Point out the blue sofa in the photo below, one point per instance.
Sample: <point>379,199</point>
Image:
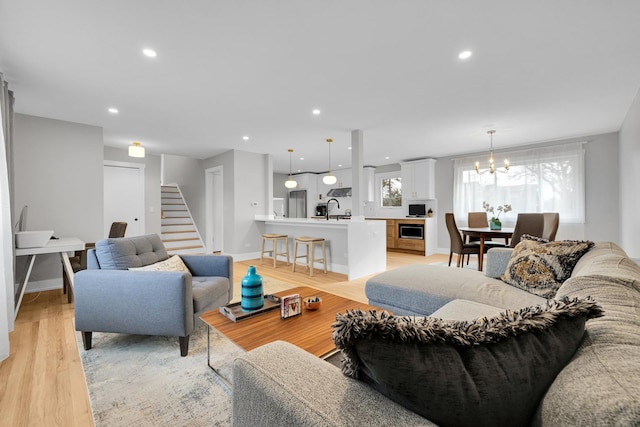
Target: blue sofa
<point>110,298</point>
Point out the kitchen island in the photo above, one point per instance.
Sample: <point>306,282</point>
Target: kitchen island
<point>355,247</point>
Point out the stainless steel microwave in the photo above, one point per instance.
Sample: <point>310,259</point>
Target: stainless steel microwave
<point>411,231</point>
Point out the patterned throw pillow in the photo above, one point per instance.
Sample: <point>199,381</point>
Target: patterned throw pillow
<point>486,372</point>
<point>541,267</point>
<point>174,263</point>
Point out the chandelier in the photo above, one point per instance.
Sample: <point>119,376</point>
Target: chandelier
<point>328,178</point>
<point>290,183</point>
<point>492,166</point>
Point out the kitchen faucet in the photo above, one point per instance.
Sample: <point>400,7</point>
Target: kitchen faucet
<point>329,201</point>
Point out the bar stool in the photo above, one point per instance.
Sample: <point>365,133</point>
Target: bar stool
<point>275,238</point>
<point>310,243</point>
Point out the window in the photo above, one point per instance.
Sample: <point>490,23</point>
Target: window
<point>547,179</point>
<point>391,192</point>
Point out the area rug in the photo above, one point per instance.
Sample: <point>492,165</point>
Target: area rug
<point>142,380</point>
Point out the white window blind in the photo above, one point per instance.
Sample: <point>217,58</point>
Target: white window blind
<point>546,179</point>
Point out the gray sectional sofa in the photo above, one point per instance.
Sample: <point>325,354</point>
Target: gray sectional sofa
<point>460,294</point>
<point>279,384</point>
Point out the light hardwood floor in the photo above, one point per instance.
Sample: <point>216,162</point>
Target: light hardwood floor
<point>42,382</point>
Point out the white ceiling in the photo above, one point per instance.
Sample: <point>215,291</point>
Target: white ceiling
<point>540,70</point>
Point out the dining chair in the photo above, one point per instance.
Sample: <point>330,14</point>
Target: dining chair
<point>551,222</point>
<point>479,220</point>
<point>118,229</point>
<point>527,223</point>
<point>457,244</point>
<point>476,220</point>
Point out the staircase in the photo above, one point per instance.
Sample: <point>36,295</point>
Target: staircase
<point>179,232</point>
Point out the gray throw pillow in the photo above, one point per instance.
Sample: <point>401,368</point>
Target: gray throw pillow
<point>486,372</point>
<point>541,267</point>
<point>126,252</point>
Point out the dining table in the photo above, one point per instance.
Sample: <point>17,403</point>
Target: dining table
<point>484,233</point>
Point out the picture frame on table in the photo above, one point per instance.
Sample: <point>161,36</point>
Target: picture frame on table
<point>290,306</point>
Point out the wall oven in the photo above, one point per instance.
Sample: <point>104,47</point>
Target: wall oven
<point>411,231</point>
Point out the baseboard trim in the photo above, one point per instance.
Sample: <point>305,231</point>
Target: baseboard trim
<point>43,285</point>
<point>243,257</point>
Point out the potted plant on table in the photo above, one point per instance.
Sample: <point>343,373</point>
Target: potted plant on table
<point>494,222</point>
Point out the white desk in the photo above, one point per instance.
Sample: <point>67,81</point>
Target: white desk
<point>60,246</point>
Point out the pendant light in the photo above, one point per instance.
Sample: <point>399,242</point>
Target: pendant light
<point>136,150</point>
<point>290,183</point>
<point>492,166</point>
<point>328,178</point>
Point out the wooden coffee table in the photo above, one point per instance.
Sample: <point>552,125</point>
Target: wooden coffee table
<point>310,331</point>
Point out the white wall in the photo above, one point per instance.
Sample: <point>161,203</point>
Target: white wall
<point>602,189</point>
<point>602,195</point>
<point>250,178</point>
<point>279,190</point>
<point>226,161</point>
<point>58,174</point>
<point>151,184</point>
<point>244,177</point>
<point>629,176</point>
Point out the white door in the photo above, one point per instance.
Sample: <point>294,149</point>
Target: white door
<point>124,196</point>
<point>213,209</point>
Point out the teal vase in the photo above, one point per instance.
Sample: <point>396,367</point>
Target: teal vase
<point>495,224</point>
<point>252,293</point>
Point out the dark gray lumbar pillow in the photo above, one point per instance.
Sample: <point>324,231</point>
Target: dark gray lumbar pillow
<point>486,372</point>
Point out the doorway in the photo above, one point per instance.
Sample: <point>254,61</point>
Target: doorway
<point>124,196</point>
<point>213,209</point>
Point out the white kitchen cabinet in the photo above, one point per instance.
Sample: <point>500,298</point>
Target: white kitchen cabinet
<point>323,188</point>
<point>418,179</point>
<point>303,181</point>
<point>343,177</point>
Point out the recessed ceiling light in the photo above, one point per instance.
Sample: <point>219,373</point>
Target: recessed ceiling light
<point>339,166</point>
<point>316,112</point>
<point>299,170</point>
<point>464,55</point>
<point>246,138</point>
<point>386,158</point>
<point>348,148</point>
<point>301,158</point>
<point>150,53</point>
<point>113,110</point>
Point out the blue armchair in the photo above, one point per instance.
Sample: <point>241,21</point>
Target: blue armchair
<point>110,298</point>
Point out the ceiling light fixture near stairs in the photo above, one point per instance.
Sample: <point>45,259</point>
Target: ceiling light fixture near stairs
<point>290,183</point>
<point>136,150</point>
<point>328,178</point>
